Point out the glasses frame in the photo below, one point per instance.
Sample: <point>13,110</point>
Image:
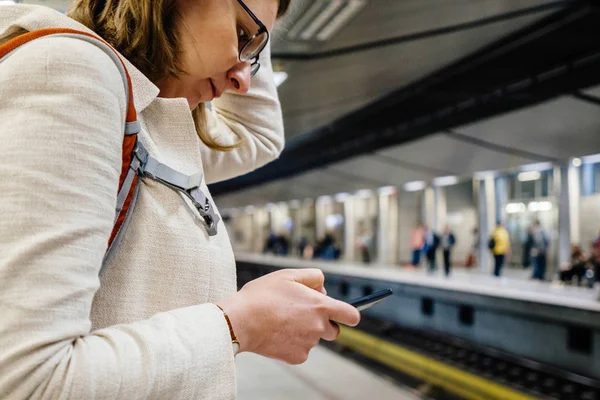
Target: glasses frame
<point>255,64</point>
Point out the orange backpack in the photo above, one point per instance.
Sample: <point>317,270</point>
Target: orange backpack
<point>136,162</point>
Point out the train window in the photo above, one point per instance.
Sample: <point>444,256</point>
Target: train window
<point>344,289</point>
<point>427,306</point>
<point>580,339</point>
<point>466,315</point>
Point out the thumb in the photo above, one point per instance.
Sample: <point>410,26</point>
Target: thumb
<point>312,278</point>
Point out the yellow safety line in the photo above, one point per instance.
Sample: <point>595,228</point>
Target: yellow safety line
<point>452,379</point>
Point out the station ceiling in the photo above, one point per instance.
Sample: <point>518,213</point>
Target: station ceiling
<point>555,130</point>
<point>320,90</point>
<point>369,74</point>
<point>513,88</point>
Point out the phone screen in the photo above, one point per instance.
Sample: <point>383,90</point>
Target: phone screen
<point>362,303</point>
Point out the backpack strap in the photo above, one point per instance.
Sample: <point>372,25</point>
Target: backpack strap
<point>127,185</point>
<point>136,162</point>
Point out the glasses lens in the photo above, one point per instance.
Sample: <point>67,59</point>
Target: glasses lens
<point>253,48</point>
<point>254,68</point>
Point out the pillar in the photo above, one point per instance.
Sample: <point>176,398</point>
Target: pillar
<point>501,198</point>
<point>349,229</point>
<point>574,203</point>
<point>487,220</point>
<point>428,207</point>
<point>587,172</point>
<point>434,207</point>
<point>322,206</point>
<point>568,194</point>
<point>440,207</point>
<point>387,229</point>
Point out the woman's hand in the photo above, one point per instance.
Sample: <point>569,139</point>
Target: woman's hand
<point>284,314</point>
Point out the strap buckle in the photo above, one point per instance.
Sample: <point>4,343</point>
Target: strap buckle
<point>188,185</point>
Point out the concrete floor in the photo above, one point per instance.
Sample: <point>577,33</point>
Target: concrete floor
<point>325,376</point>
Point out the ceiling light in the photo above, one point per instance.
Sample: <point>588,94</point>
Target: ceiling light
<point>529,176</point>
<point>341,196</point>
<point>514,208</point>
<point>280,77</point>
<point>7,2</point>
<point>364,193</point>
<point>324,199</point>
<point>348,12</point>
<point>334,221</point>
<point>414,186</point>
<point>482,175</point>
<point>324,18</point>
<point>577,162</point>
<point>321,19</point>
<point>593,159</point>
<point>543,166</point>
<point>539,206</point>
<point>445,181</point>
<point>387,190</point>
<point>313,11</point>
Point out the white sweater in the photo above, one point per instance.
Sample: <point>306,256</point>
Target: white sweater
<point>144,330</point>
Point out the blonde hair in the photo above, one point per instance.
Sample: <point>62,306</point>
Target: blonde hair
<point>145,32</point>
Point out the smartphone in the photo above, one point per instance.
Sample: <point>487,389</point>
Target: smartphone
<point>362,303</point>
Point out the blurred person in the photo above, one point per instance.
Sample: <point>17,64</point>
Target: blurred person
<point>417,242</point>
<point>499,244</point>
<point>448,241</point>
<point>594,262</point>
<point>277,244</point>
<point>527,247</point>
<point>302,244</point>
<point>472,257</point>
<point>283,244</point>
<point>539,250</point>
<point>162,320</point>
<point>364,243</point>
<point>577,268</point>
<point>270,243</point>
<point>432,242</point>
<point>327,248</point>
<point>596,243</point>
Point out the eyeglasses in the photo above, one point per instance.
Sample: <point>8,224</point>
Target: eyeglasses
<point>251,48</point>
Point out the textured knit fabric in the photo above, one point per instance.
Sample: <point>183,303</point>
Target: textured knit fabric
<point>145,328</point>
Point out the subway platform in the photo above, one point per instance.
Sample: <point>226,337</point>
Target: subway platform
<point>325,376</point>
<point>513,285</point>
<point>503,319</point>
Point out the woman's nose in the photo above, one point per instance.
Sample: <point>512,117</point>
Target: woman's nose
<point>239,78</point>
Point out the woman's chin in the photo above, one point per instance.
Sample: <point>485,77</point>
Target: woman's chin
<point>194,101</point>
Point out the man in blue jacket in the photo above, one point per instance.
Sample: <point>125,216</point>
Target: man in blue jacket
<point>448,242</point>
<point>432,242</point>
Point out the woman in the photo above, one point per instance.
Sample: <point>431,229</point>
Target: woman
<point>151,326</point>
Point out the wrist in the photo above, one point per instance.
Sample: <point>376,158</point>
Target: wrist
<point>234,340</point>
<point>235,326</point>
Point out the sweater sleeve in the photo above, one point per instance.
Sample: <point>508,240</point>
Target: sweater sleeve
<point>62,106</point>
<point>253,119</point>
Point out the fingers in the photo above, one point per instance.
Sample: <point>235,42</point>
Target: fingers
<point>313,278</point>
<point>332,331</point>
<point>343,313</point>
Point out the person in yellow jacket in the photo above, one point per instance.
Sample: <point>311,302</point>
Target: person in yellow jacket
<point>500,247</point>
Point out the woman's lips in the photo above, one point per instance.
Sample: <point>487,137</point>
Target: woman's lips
<point>216,92</point>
